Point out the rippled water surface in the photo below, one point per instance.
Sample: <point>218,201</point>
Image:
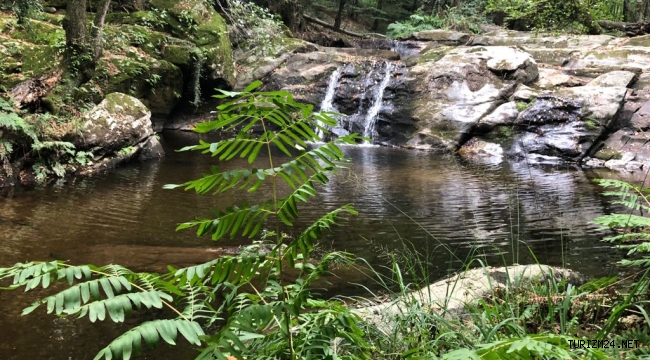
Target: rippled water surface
<point>448,210</point>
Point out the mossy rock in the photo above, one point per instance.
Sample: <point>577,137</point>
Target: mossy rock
<point>27,51</point>
<point>178,55</point>
<point>34,31</point>
<point>23,61</point>
<point>219,65</point>
<point>431,56</point>
<point>147,19</point>
<point>122,36</point>
<point>157,83</point>
<point>639,41</point>
<point>608,154</point>
<point>196,21</point>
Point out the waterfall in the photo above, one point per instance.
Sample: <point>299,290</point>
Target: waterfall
<point>327,103</point>
<point>372,115</point>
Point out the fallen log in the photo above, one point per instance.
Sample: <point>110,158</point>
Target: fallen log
<point>346,32</point>
<point>630,29</point>
<point>30,91</point>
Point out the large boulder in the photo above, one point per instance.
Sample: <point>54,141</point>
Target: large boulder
<point>450,297</point>
<point>118,125</point>
<point>567,123</point>
<point>552,78</point>
<point>450,95</point>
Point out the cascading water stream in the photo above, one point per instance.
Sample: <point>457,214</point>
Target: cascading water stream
<point>372,115</point>
<point>327,103</point>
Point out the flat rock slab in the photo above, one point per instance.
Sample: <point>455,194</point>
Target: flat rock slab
<point>450,296</point>
<point>443,36</point>
<point>535,41</point>
<point>551,78</point>
<point>614,78</point>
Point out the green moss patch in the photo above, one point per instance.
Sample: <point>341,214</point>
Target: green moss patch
<point>639,41</point>
<point>147,19</point>
<point>158,83</point>
<point>34,31</point>
<point>608,154</point>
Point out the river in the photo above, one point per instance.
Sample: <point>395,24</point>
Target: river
<point>446,209</point>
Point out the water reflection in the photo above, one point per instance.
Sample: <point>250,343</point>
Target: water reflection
<point>448,209</point>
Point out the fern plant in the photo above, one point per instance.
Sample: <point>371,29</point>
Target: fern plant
<point>244,306</point>
<point>632,228</point>
<point>17,135</point>
<point>633,234</point>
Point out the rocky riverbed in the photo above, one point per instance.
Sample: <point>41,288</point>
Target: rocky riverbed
<point>501,96</point>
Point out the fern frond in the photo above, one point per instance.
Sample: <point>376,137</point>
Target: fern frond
<point>644,262</point>
<point>633,197</point>
<point>623,220</point>
<point>197,300</point>
<point>153,282</point>
<point>234,269</point>
<point>151,332</point>
<point>245,220</point>
<point>304,242</point>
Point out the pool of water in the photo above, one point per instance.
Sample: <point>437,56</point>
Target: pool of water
<point>445,209</point>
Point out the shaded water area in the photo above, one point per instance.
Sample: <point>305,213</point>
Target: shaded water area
<point>449,210</point>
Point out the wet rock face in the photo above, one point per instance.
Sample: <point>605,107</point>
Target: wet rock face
<point>357,92</point>
<point>451,95</point>
<point>548,109</point>
<point>504,94</point>
<point>552,126</point>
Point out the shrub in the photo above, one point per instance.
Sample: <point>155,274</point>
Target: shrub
<point>572,16</point>
<point>253,28</point>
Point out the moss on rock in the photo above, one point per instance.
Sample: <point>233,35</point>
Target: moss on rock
<point>178,55</point>
<point>157,83</point>
<point>199,23</point>
<point>639,41</point>
<point>34,31</point>
<point>23,61</point>
<point>608,154</point>
<point>146,19</point>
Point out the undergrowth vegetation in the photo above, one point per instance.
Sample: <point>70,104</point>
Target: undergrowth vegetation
<point>253,28</point>
<point>26,140</point>
<point>466,18</point>
<point>536,15</point>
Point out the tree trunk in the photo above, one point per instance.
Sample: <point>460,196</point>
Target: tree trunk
<point>339,15</point>
<point>352,10</point>
<point>98,27</point>
<point>375,24</point>
<point>78,54</point>
<point>414,6</point>
<point>75,26</point>
<point>630,11</point>
<point>630,29</point>
<point>291,12</point>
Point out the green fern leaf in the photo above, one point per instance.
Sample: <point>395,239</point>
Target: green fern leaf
<point>151,332</point>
